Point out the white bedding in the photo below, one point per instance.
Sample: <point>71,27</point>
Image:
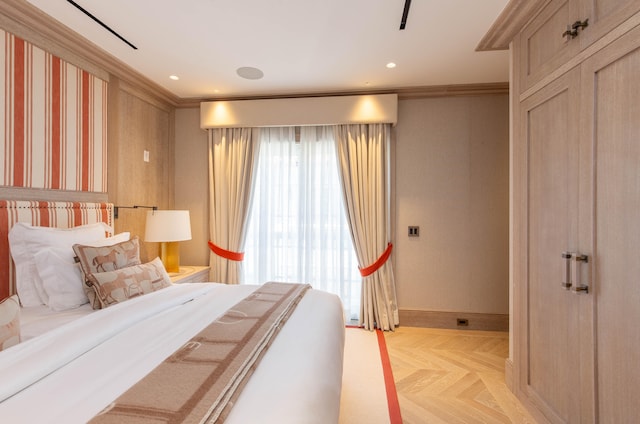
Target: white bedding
<point>37,320</point>
<point>71,373</point>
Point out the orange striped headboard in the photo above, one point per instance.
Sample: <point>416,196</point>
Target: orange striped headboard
<point>45,214</point>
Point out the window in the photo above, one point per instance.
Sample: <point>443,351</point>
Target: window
<point>298,230</point>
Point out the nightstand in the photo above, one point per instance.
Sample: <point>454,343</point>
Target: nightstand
<point>190,274</point>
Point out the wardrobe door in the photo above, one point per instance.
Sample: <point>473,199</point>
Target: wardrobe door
<point>604,15</point>
<point>544,48</point>
<point>610,203</point>
<point>550,331</point>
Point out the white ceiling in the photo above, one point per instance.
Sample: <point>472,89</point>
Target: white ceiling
<point>301,46</point>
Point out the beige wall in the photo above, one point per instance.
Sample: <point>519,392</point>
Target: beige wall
<point>191,183</point>
<point>450,178</point>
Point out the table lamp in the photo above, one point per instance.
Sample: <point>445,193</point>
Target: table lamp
<point>168,227</point>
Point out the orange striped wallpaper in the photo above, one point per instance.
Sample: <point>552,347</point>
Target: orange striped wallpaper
<point>53,118</point>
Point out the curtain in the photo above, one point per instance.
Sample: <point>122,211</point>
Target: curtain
<point>233,157</point>
<point>364,161</point>
<point>298,230</point>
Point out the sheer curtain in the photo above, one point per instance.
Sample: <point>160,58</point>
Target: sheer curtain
<point>298,230</point>
<point>364,156</point>
<point>233,156</point>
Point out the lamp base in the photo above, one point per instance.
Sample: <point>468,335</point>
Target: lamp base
<point>170,255</point>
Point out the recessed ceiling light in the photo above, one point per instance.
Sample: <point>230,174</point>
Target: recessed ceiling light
<point>247,72</point>
<point>174,77</point>
<point>391,65</point>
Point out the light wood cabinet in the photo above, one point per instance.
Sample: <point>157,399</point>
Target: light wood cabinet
<point>576,189</point>
<point>546,45</point>
<point>609,215</point>
<point>543,48</point>
<point>549,350</point>
<point>604,16</point>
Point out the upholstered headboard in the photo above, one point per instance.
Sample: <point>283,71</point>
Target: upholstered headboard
<point>45,214</point>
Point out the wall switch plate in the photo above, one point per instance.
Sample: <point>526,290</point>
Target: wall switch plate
<point>414,231</point>
<point>146,156</point>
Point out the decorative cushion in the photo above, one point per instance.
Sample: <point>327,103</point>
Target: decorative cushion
<point>61,276</point>
<point>94,260</point>
<point>9,322</point>
<point>25,240</point>
<point>122,284</point>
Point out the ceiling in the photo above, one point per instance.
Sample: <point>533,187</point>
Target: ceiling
<point>301,46</point>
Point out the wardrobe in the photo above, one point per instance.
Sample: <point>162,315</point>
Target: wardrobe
<point>575,187</point>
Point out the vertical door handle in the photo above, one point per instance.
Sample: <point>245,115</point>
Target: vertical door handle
<point>579,261</point>
<point>566,282</point>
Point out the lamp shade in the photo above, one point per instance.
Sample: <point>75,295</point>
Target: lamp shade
<point>167,226</point>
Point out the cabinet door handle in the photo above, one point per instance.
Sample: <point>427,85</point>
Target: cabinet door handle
<point>570,33</point>
<point>572,30</point>
<point>580,25</point>
<point>578,287</point>
<point>566,283</point>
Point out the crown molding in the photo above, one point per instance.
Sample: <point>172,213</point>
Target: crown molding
<point>455,90</point>
<point>513,18</point>
<point>480,89</point>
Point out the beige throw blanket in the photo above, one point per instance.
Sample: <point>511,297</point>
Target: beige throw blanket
<point>200,381</point>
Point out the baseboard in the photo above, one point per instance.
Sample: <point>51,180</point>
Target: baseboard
<point>435,319</point>
<point>508,373</point>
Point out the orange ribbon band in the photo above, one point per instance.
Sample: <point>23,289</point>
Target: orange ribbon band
<point>227,254</point>
<point>377,264</point>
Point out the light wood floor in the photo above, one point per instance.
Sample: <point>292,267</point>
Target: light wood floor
<point>452,376</point>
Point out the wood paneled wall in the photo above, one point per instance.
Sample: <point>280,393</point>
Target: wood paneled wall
<point>139,123</point>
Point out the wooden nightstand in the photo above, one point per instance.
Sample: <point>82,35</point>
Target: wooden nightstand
<point>190,274</point>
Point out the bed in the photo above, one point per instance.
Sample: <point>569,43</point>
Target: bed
<point>74,363</point>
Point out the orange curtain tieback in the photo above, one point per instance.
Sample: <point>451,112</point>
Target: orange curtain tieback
<point>377,264</point>
<point>227,254</point>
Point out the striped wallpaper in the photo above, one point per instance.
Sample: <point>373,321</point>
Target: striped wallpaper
<point>53,118</point>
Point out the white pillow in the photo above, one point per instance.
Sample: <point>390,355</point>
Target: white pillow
<point>61,275</point>
<point>26,239</point>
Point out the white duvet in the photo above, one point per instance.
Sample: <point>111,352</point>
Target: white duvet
<point>70,374</point>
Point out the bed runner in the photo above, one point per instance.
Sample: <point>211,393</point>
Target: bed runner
<point>200,382</point>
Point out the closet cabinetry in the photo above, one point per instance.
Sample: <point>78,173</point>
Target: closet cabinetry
<point>576,214</point>
<point>565,28</point>
<point>548,336</point>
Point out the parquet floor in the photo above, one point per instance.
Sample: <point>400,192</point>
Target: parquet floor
<point>452,376</point>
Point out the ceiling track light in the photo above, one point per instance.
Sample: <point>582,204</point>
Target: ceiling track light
<point>405,14</point>
<point>102,24</point>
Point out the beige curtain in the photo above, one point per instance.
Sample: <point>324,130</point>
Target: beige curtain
<point>364,162</point>
<point>233,159</point>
